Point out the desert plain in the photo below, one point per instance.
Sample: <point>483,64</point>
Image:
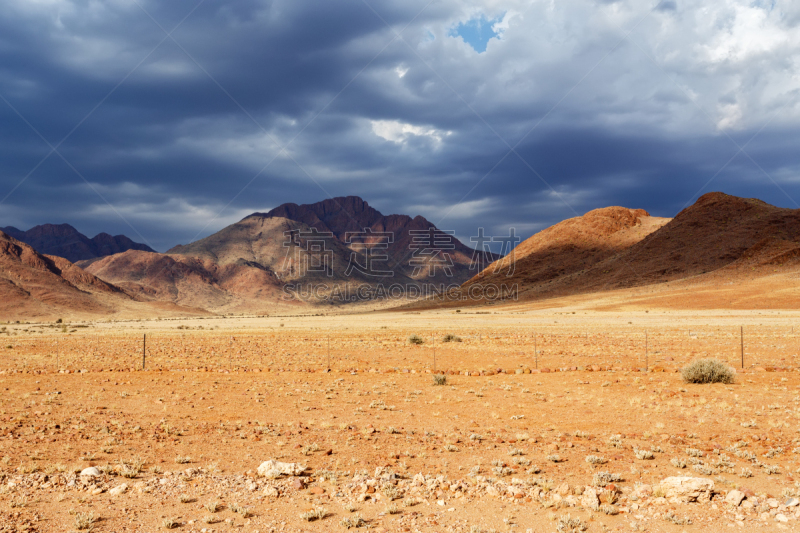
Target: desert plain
<point>561,415</point>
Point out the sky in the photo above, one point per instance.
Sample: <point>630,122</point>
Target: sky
<point>167,121</point>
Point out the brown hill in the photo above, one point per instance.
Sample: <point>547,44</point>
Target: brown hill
<point>351,214</point>
<point>34,285</point>
<point>65,241</point>
<point>244,267</point>
<point>197,282</point>
<point>571,246</point>
<point>720,234</point>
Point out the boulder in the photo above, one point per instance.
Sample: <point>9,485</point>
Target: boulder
<point>589,499</point>
<point>688,489</point>
<point>273,469</point>
<point>90,472</point>
<point>119,489</point>
<point>735,497</point>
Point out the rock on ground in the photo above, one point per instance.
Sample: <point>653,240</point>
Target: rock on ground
<point>273,469</point>
<point>688,489</point>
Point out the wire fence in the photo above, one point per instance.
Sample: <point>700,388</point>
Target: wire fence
<point>453,351</point>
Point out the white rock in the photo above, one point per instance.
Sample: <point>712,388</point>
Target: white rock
<point>734,497</point>
<point>271,491</point>
<point>792,502</point>
<point>781,518</point>
<point>273,469</point>
<point>589,499</point>
<point>90,472</point>
<point>688,489</point>
<point>119,489</point>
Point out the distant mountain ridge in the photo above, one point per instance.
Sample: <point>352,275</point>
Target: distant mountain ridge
<point>614,248</point>
<point>351,214</point>
<point>65,241</point>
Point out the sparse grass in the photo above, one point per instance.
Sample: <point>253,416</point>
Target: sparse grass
<point>240,510</point>
<point>708,371</point>
<point>554,458</point>
<point>677,463</point>
<point>609,509</point>
<point>567,524</point>
<point>182,460</point>
<point>451,338</point>
<point>415,339</point>
<point>596,460</point>
<point>392,509</point>
<point>213,507</point>
<point>644,455</point>
<point>318,513</point>
<point>439,379</point>
<point>169,523</point>
<point>675,519</point>
<point>352,521</point>
<point>601,479</point>
<point>185,498</point>
<point>84,521</point>
<point>390,491</point>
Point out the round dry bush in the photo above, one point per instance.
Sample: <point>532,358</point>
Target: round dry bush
<point>708,371</point>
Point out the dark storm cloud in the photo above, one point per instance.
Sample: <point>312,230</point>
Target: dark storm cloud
<point>189,136</point>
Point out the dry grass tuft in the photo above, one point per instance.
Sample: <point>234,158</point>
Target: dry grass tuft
<point>708,371</point>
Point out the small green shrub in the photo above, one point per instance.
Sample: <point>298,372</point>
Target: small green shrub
<point>451,338</point>
<point>415,339</point>
<point>707,371</point>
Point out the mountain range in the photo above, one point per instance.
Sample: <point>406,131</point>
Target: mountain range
<point>332,252</point>
<point>65,241</point>
<point>268,262</point>
<point>615,248</point>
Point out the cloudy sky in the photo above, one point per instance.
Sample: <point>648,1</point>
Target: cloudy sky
<point>166,121</point>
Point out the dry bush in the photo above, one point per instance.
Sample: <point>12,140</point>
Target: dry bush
<point>708,371</point>
<point>440,379</point>
<point>567,524</point>
<point>352,521</point>
<point>415,339</point>
<point>84,521</point>
<point>451,338</point>
<point>317,513</point>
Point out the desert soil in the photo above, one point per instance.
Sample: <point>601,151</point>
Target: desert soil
<point>502,445</point>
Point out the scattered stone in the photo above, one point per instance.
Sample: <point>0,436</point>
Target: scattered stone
<point>273,469</point>
<point>735,497</point>
<point>589,499</point>
<point>688,489</point>
<point>90,472</point>
<point>119,489</point>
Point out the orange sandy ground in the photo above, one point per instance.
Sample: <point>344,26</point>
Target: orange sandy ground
<point>249,390</point>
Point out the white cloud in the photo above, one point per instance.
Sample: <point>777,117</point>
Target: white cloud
<point>440,214</point>
<point>399,132</point>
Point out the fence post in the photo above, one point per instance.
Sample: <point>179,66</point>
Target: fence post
<point>535,350</point>
<point>434,353</point>
<point>646,355</point>
<point>144,350</point>
<point>741,336</point>
<point>329,352</point>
